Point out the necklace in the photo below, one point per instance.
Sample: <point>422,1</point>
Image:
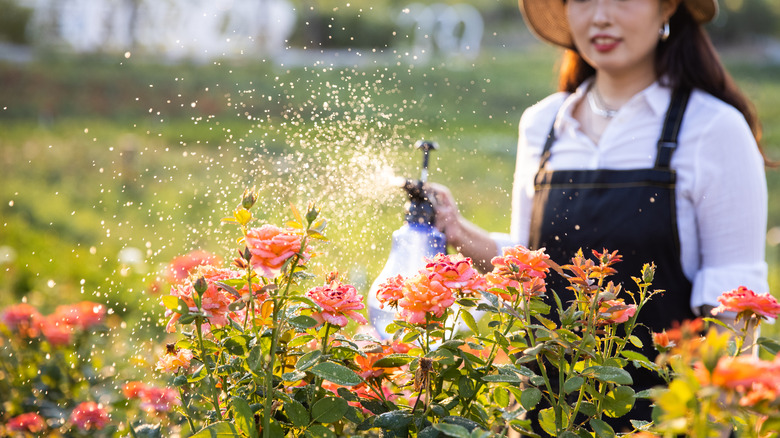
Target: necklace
<point>599,108</point>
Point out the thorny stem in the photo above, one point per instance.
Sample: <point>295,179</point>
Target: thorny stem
<point>185,406</point>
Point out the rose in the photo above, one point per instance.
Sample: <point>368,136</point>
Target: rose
<point>456,272</point>
<point>423,296</point>
<point>744,301</point>
<point>615,311</point>
<point>29,422</point>
<point>390,291</point>
<point>23,319</point>
<point>156,400</point>
<point>214,300</point>
<point>84,315</point>
<point>272,246</point>
<point>338,301</point>
<point>134,389</point>
<point>180,267</point>
<point>56,331</point>
<point>89,416</point>
<point>173,359</point>
<point>521,269</point>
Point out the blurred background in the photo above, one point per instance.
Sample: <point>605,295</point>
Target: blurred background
<point>129,128</point>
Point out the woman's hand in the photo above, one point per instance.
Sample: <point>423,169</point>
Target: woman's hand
<point>448,218</point>
<point>462,235</point>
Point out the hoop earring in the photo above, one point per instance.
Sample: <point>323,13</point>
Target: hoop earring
<point>664,31</point>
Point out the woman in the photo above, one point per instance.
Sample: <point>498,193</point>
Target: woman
<point>649,149</point>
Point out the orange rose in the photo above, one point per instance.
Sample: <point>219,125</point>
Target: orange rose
<point>180,267</point>
<point>23,319</point>
<point>271,246</point>
<point>743,299</point>
<point>615,311</point>
<point>520,268</point>
<point>424,295</point>
<point>84,315</point>
<point>173,359</point>
<point>214,301</point>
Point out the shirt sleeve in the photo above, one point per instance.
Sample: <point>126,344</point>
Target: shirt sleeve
<point>730,203</point>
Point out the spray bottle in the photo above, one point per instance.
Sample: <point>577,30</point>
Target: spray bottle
<point>413,243</point>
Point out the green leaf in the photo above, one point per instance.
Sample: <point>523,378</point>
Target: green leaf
<point>452,430</point>
<point>619,401</point>
<point>530,398</point>
<point>336,373</point>
<point>319,431</point>
<point>573,384</point>
<point>471,323</point>
<point>299,340</point>
<point>501,396</point>
<point>245,419</point>
<point>636,341</point>
<point>465,387</point>
<point>547,421</point>
<point>470,425</point>
<point>308,360</point>
<point>293,376</point>
<point>393,420</point>
<point>393,360</point>
<point>770,345</point>
<point>237,345</point>
<point>303,322</point>
<point>296,413</point>
<point>602,429</point>
<point>329,410</point>
<point>608,374</point>
<point>506,378</point>
<point>221,429</point>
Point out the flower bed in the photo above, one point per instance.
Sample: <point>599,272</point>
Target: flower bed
<point>260,355</point>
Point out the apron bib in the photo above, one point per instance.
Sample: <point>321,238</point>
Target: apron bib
<point>631,211</point>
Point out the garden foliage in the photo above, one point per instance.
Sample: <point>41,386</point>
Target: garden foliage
<point>471,355</point>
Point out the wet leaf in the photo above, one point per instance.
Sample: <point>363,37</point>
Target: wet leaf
<point>393,420</point>
<point>393,360</point>
<point>573,384</point>
<point>308,360</point>
<point>530,398</point>
<point>336,373</point>
<point>452,430</point>
<point>608,374</point>
<point>602,429</point>
<point>329,410</point>
<point>296,413</point>
<point>244,418</point>
<point>303,322</point>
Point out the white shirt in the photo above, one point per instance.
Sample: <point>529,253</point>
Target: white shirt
<point>721,186</point>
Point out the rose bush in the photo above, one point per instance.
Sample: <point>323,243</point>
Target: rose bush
<point>265,348</point>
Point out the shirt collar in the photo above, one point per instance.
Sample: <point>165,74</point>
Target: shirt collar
<point>656,97</point>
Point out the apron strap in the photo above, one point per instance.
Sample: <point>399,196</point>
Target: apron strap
<point>674,115</point>
<point>547,146</point>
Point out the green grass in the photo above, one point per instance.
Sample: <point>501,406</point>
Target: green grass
<point>100,154</point>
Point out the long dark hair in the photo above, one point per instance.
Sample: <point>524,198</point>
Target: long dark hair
<point>686,60</point>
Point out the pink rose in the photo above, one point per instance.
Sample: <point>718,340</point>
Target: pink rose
<point>743,299</point>
<point>456,272</point>
<point>56,331</point>
<point>89,416</point>
<point>29,422</point>
<point>214,301</point>
<point>84,315</point>
<point>271,246</point>
<point>338,301</point>
<point>23,319</point>
<point>390,291</point>
<point>180,267</point>
<point>159,400</point>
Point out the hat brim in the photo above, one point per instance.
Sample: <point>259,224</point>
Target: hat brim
<point>547,18</point>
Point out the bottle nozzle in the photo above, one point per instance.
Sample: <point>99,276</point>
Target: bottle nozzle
<point>426,146</point>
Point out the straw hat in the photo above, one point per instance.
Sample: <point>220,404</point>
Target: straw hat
<point>547,18</point>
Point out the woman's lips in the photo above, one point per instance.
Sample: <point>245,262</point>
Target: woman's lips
<point>603,43</point>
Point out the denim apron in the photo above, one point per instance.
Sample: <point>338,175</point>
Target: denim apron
<point>631,211</point>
